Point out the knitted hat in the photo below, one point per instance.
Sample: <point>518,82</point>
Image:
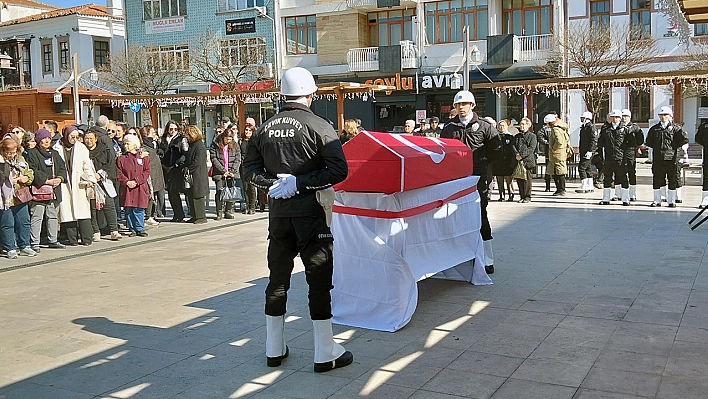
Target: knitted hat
<point>41,134</point>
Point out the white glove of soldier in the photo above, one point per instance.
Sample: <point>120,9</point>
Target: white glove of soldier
<point>276,190</point>
<point>588,155</point>
<point>289,184</point>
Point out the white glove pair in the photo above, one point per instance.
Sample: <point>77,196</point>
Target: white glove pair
<point>588,155</point>
<point>285,187</point>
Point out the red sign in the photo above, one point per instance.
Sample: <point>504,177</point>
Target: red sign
<point>389,163</point>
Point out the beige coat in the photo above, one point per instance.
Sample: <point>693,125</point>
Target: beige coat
<point>557,143</point>
<point>75,204</point>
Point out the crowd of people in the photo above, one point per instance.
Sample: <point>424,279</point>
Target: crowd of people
<point>81,184</point>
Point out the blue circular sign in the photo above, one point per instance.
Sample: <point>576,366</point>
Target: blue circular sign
<point>135,107</point>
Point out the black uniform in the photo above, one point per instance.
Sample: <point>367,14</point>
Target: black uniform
<point>665,141</point>
<point>484,140</point>
<point>635,138</point>
<point>542,137</point>
<point>702,139</point>
<point>588,143</point>
<point>300,143</point>
<point>613,140</point>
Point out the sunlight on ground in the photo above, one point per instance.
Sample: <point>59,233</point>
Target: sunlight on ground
<point>105,359</point>
<point>128,392</point>
<point>443,330</point>
<point>344,336</point>
<point>292,318</point>
<point>240,342</point>
<point>201,323</point>
<point>256,384</point>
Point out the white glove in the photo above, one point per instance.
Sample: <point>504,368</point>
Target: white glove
<point>289,185</point>
<point>276,190</point>
<point>588,155</point>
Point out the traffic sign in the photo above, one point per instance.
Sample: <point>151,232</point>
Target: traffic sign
<point>135,107</point>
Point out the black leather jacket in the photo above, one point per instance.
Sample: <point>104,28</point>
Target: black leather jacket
<point>480,136</point>
<point>613,141</point>
<point>666,140</point>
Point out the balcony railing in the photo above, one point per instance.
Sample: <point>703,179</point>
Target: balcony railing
<point>360,3</point>
<point>367,58</point>
<point>532,48</point>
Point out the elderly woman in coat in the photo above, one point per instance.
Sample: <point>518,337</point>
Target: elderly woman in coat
<point>558,143</point>
<point>76,193</point>
<point>133,175</point>
<point>196,163</point>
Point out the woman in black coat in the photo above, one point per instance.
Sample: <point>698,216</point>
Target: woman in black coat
<point>505,163</point>
<point>525,143</point>
<point>174,146</point>
<point>195,161</point>
<point>225,155</point>
<point>249,190</point>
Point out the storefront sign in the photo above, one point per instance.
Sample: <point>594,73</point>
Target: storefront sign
<point>243,25</point>
<point>702,112</point>
<point>420,115</point>
<point>175,24</point>
<point>409,82</point>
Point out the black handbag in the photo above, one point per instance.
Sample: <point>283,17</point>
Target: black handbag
<point>231,192</point>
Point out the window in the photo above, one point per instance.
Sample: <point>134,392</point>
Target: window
<point>444,20</point>
<point>156,9</point>
<point>600,13</point>
<point>527,17</point>
<point>232,5</point>
<point>390,27</point>
<point>100,53</point>
<point>26,66</point>
<point>641,19</point>
<point>47,58</point>
<point>168,58</point>
<point>700,29</point>
<point>247,51</point>
<point>64,57</point>
<point>301,34</point>
<point>639,104</point>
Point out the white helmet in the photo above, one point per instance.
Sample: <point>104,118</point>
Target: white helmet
<point>587,115</point>
<point>626,112</point>
<point>464,96</point>
<point>550,118</point>
<point>666,111</point>
<point>615,112</point>
<point>297,82</point>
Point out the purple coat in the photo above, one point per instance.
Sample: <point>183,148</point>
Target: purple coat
<point>132,167</point>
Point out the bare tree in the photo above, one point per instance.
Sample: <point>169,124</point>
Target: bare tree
<point>600,50</point>
<point>141,70</point>
<point>696,59</point>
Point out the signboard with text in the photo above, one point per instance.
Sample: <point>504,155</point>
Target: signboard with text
<point>175,24</point>
<point>242,25</point>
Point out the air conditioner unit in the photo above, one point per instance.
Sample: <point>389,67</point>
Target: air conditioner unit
<point>265,71</point>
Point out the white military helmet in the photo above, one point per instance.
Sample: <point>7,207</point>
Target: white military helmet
<point>297,82</point>
<point>464,96</point>
<point>666,111</point>
<point>550,118</point>
<point>626,112</point>
<point>587,115</point>
<point>615,112</point>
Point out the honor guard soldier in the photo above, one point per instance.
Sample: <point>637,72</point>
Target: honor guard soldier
<point>665,138</point>
<point>635,138</point>
<point>587,148</point>
<point>484,140</point>
<point>702,139</point>
<point>613,141</point>
<point>296,155</point>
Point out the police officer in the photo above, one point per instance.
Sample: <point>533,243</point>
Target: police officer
<point>665,138</point>
<point>635,138</point>
<point>293,155</point>
<point>587,148</point>
<point>613,140</point>
<point>702,139</point>
<point>484,140</point>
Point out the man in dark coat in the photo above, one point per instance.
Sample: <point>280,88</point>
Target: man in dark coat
<point>702,139</point>
<point>613,143</point>
<point>542,137</point>
<point>665,138</point>
<point>635,138</point>
<point>484,140</point>
<point>525,145</point>
<point>587,148</point>
<point>294,155</point>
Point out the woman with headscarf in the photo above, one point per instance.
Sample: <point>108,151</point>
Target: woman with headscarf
<point>133,175</point>
<point>16,175</point>
<point>77,191</point>
<point>49,170</point>
<point>195,163</point>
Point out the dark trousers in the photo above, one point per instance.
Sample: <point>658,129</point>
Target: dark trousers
<point>525,186</point>
<point>220,184</point>
<point>159,208</point>
<point>312,239</point>
<point>197,206</point>
<point>559,181</point>
<point>547,180</point>
<point>679,168</point>
<point>483,188</point>
<point>80,228</point>
<point>585,168</point>
<point>176,203</point>
<point>249,194</point>
<point>614,171</point>
<point>705,176</point>
<point>106,216</point>
<point>663,171</point>
<point>631,168</point>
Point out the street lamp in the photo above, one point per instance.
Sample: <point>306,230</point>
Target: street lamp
<point>473,56</point>
<point>4,64</point>
<point>74,78</point>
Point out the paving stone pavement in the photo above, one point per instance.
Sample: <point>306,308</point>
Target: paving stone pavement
<point>588,302</point>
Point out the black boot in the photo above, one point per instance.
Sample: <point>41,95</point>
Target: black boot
<point>547,178</point>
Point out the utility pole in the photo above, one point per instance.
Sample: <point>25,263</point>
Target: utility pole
<point>466,51</point>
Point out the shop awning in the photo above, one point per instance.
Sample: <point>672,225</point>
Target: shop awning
<point>695,11</point>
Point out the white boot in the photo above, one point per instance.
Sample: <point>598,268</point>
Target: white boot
<point>625,196</point>
<point>617,192</point>
<point>657,197</point>
<point>488,257</point>
<point>633,193</point>
<point>606,192</point>
<point>276,350</point>
<point>663,193</point>
<point>679,195</point>
<point>704,199</point>
<point>671,198</point>
<point>328,354</point>
<point>583,187</point>
<point>588,185</point>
